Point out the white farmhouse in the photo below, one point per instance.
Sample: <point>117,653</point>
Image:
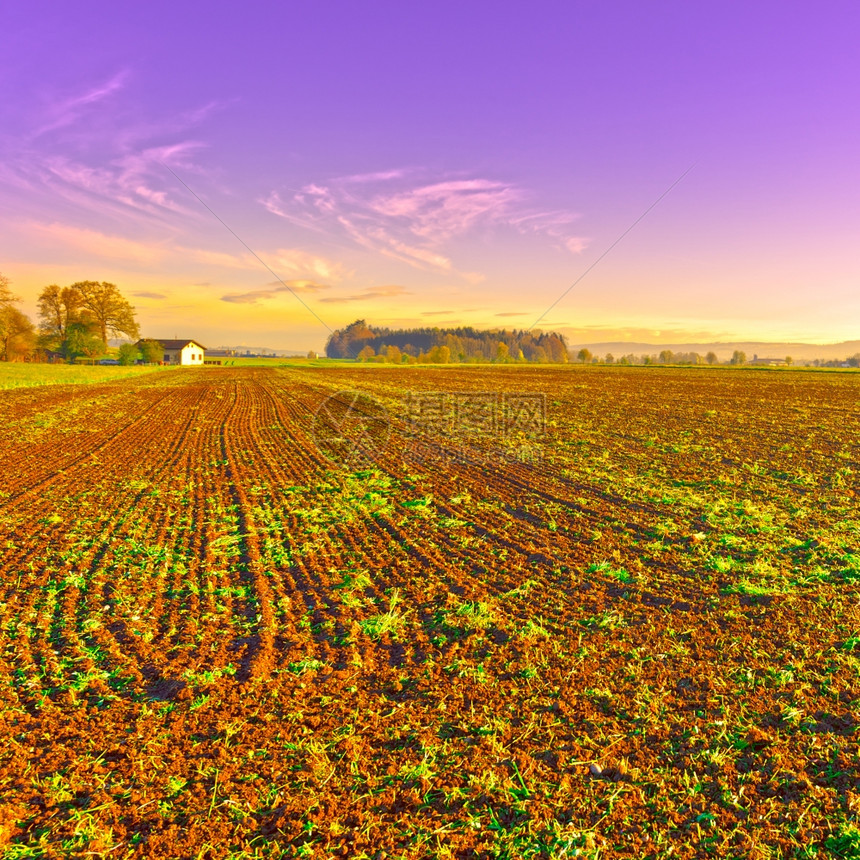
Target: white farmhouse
<point>183,351</point>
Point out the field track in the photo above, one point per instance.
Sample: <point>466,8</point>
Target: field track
<point>632,632</point>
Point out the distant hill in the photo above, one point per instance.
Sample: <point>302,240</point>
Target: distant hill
<point>763,349</point>
<point>262,350</point>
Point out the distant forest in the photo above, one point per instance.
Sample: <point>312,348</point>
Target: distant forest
<point>443,345</point>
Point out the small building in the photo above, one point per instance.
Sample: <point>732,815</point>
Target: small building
<point>768,362</point>
<point>182,351</point>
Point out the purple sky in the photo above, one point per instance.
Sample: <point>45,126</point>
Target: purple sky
<point>439,163</point>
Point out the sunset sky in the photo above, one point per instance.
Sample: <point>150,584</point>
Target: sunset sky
<point>437,164</point>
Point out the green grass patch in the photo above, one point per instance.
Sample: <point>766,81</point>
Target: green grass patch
<point>34,375</point>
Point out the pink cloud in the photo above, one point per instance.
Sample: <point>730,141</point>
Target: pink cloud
<point>99,244</point>
<point>439,211</point>
<point>68,111</point>
<point>100,155</point>
<point>277,287</point>
<point>386,291</point>
<point>392,214</point>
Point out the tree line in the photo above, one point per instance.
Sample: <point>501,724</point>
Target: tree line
<point>666,356</point>
<point>437,345</point>
<point>74,322</point>
<point>739,359</point>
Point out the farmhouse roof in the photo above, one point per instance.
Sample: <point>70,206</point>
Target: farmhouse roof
<point>176,343</point>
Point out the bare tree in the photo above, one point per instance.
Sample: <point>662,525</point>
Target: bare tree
<point>110,310</point>
<point>17,335</point>
<point>5,291</point>
<point>59,307</point>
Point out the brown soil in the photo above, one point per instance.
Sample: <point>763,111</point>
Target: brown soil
<point>633,634</point>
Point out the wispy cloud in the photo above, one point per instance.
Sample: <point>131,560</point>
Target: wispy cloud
<point>576,244</point>
<point>96,151</point>
<point>297,262</point>
<point>144,294</point>
<point>381,292</point>
<point>309,271</point>
<point>67,111</point>
<point>512,314</point>
<point>381,175</point>
<point>221,259</point>
<point>441,210</point>
<point>132,183</point>
<point>249,298</point>
<point>97,244</point>
<point>276,288</point>
<point>289,261</point>
<point>404,215</point>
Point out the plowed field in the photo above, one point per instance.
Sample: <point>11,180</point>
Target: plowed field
<point>627,627</point>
